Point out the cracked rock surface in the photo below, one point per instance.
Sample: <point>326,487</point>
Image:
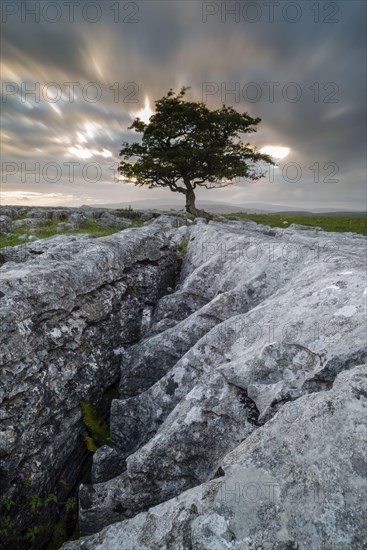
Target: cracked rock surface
<point>67,313</point>
<point>242,410</point>
<point>299,481</point>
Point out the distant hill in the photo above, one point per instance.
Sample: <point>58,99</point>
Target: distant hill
<point>227,208</point>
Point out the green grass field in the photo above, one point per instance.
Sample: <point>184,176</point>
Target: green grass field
<point>354,224</point>
<point>48,230</point>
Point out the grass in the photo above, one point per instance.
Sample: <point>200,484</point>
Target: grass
<point>182,249</point>
<point>90,227</point>
<point>354,224</point>
<point>136,222</point>
<point>128,209</point>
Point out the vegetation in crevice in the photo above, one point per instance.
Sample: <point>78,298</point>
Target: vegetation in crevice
<point>182,249</point>
<point>99,430</point>
<point>132,290</point>
<point>50,519</point>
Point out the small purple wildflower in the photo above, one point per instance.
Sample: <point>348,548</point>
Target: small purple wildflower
<point>129,297</point>
<point>21,475</point>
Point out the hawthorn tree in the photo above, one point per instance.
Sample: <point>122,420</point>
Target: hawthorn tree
<point>185,145</point>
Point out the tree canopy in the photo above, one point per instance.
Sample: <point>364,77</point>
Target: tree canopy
<point>186,145</point>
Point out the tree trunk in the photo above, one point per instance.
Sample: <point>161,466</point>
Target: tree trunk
<point>190,204</point>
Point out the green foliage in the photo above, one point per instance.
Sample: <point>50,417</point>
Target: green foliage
<point>97,426</point>
<point>71,504</point>
<point>133,289</point>
<point>182,249</point>
<point>61,531</point>
<point>186,145</point>
<point>36,503</point>
<point>8,504</point>
<point>59,535</point>
<point>90,227</point>
<point>136,222</point>
<point>34,532</point>
<point>6,525</point>
<point>91,446</point>
<point>354,224</point>
<point>62,518</point>
<point>51,498</point>
<point>64,483</point>
<point>25,481</point>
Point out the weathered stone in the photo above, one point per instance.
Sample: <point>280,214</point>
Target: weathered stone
<point>146,216</point>
<point>112,221</point>
<point>9,211</point>
<point>78,219</point>
<point>64,226</point>
<point>166,221</point>
<point>297,482</point>
<point>61,214</point>
<point>29,251</point>
<point>241,410</point>
<point>65,315</point>
<point>255,317</point>
<point>26,222</point>
<point>6,225</point>
<point>39,214</point>
<point>32,222</point>
<point>106,460</point>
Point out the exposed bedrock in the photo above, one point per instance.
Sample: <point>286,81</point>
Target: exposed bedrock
<point>67,316</point>
<point>298,482</point>
<point>242,371</point>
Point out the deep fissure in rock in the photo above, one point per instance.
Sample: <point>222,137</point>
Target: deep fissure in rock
<point>153,277</point>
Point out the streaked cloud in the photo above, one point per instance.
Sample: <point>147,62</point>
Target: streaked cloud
<point>106,71</point>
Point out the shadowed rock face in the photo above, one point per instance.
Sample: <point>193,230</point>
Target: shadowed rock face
<point>251,369</point>
<point>66,317</point>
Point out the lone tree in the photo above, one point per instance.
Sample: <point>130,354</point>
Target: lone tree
<point>186,145</point>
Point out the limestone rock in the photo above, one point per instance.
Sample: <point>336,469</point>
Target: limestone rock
<point>297,482</point>
<point>64,312</point>
<point>6,225</point>
<point>260,318</point>
<point>111,221</point>
<point>239,418</point>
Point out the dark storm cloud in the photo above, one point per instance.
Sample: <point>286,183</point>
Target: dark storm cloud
<point>171,46</point>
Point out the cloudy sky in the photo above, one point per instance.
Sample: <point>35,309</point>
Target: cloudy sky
<point>74,74</point>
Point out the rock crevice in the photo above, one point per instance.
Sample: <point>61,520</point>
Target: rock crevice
<point>66,315</point>
<point>254,338</point>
